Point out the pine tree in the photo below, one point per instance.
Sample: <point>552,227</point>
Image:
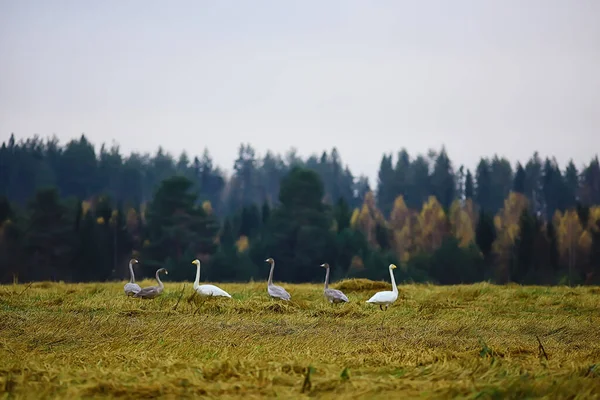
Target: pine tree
<point>443,180</point>
<point>178,229</point>
<point>385,185</point>
<point>10,243</point>
<point>49,237</point>
<point>342,215</point>
<point>520,179</point>
<point>523,265</point>
<point>299,234</point>
<point>483,190</point>
<point>469,186</point>
<point>485,235</point>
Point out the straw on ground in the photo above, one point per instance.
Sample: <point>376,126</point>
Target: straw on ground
<point>80,340</point>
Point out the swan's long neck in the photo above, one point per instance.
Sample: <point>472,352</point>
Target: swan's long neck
<point>159,281</point>
<point>394,287</point>
<point>271,274</point>
<point>327,278</point>
<point>197,281</point>
<point>132,276</point>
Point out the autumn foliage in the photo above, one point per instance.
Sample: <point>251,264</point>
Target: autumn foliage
<point>82,213</point>
<point>423,231</point>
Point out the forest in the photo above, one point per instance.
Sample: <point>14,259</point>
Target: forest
<point>74,213</point>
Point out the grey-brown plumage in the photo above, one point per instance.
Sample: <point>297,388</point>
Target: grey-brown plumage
<point>274,290</point>
<point>332,295</point>
<point>151,292</point>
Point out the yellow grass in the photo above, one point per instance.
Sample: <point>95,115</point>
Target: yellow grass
<point>477,341</point>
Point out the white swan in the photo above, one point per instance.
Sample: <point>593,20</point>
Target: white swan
<point>387,297</point>
<point>131,287</point>
<point>207,290</point>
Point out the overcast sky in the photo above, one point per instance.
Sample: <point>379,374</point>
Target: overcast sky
<point>480,77</point>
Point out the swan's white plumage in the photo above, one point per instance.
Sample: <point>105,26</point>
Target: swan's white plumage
<point>207,290</point>
<point>210,290</point>
<point>387,297</point>
<point>131,287</point>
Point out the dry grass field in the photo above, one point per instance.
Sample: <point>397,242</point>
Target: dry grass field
<point>473,341</point>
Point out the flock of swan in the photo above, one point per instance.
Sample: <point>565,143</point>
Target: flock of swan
<point>334,296</point>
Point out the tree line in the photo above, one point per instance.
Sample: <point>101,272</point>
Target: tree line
<point>76,214</point>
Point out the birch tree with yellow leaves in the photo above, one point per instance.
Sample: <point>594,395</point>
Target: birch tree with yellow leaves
<point>367,219</point>
<point>400,224</point>
<point>462,222</point>
<point>433,223</point>
<point>573,241</point>
<point>594,219</point>
<point>507,228</point>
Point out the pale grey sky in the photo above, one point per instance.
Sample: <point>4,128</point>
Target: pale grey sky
<point>478,76</point>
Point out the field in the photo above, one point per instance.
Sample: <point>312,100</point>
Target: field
<point>475,341</point>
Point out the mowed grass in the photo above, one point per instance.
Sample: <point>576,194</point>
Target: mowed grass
<point>473,341</point>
